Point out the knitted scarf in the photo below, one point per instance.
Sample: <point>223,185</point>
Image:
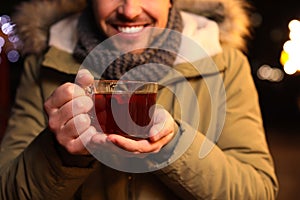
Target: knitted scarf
<point>106,62</point>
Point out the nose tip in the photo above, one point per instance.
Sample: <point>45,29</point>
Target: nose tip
<point>130,9</point>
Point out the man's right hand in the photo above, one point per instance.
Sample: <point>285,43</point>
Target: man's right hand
<point>67,109</point>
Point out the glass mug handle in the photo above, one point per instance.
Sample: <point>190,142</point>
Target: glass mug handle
<point>90,91</point>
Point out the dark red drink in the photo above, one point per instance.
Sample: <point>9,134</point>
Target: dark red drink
<point>125,113</point>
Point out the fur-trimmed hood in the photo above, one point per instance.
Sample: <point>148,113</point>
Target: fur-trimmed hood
<point>33,20</point>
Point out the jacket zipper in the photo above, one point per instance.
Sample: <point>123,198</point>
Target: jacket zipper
<point>129,187</point>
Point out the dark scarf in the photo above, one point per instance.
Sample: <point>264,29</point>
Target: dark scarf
<point>150,65</point>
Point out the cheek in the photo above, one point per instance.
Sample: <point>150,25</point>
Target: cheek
<point>160,13</point>
<point>103,8</point>
<point>162,19</point>
<point>101,15</point>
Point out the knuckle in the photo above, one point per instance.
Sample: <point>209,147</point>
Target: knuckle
<point>82,122</point>
<point>47,106</point>
<point>82,104</point>
<point>68,90</point>
<point>89,103</point>
<point>52,123</point>
<point>78,104</point>
<point>85,119</point>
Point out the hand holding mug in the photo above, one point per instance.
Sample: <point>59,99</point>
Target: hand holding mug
<point>67,109</point>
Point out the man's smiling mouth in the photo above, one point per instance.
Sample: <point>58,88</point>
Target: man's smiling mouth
<point>130,29</point>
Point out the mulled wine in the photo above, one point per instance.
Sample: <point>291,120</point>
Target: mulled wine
<point>125,112</point>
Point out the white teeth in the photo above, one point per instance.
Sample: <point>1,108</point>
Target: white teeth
<point>132,29</point>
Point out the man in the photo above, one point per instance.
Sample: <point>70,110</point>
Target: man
<point>45,155</point>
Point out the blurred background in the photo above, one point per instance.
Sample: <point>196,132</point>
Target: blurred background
<point>275,68</point>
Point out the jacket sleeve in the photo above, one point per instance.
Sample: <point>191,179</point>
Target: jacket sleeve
<point>239,166</point>
<point>30,167</point>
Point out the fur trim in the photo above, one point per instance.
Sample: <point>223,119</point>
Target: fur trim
<point>33,20</point>
<point>231,15</point>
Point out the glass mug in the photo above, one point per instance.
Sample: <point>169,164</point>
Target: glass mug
<point>124,107</point>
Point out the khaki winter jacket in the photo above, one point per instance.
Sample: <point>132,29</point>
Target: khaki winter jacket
<point>213,101</point>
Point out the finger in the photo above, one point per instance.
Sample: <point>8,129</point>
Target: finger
<point>124,142</point>
<point>61,116</point>
<point>84,78</point>
<point>79,105</point>
<point>160,116</point>
<point>162,126</point>
<point>77,125</point>
<point>157,131</point>
<point>139,146</point>
<point>77,146</point>
<point>82,104</point>
<point>62,95</point>
<point>101,145</point>
<point>155,147</point>
<point>72,129</point>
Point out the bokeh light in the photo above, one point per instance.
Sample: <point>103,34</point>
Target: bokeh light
<point>294,25</point>
<point>13,39</point>
<point>266,72</point>
<point>290,67</point>
<point>2,42</point>
<point>4,19</point>
<point>290,58</point>
<point>7,28</point>
<point>9,41</point>
<point>13,56</point>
